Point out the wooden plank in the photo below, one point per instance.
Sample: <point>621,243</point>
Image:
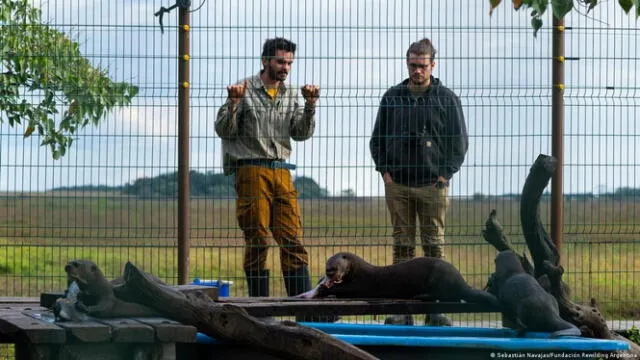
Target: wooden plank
<point>18,307</point>
<point>124,330</point>
<point>169,331</point>
<point>287,306</point>
<point>47,299</point>
<point>20,328</point>
<point>18,300</point>
<point>272,306</point>
<point>86,331</point>
<point>15,308</point>
<point>89,331</point>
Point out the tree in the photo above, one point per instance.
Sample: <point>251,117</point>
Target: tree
<point>348,193</point>
<point>560,8</point>
<point>39,62</point>
<point>309,188</point>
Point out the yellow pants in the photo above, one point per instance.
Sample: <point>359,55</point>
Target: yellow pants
<point>429,205</point>
<point>267,201</point>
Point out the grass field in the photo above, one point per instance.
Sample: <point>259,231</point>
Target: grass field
<point>39,233</point>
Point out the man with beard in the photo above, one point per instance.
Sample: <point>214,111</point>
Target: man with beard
<point>256,123</point>
<point>419,141</point>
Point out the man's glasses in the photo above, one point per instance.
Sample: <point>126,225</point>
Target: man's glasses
<point>414,66</point>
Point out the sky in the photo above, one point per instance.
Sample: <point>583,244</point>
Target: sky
<point>354,50</point>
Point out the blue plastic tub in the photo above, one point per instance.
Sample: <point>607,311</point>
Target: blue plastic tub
<point>222,285</point>
<point>445,336</point>
<point>415,342</point>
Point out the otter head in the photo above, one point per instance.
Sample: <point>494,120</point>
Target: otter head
<point>508,263</point>
<point>83,272</point>
<point>339,268</point>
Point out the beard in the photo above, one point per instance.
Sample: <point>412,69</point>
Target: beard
<point>419,80</point>
<point>276,75</point>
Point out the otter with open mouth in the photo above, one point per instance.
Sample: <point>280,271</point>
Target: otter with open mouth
<point>425,278</point>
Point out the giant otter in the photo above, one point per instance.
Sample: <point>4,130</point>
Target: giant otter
<point>424,278</point>
<point>96,297</point>
<point>524,301</point>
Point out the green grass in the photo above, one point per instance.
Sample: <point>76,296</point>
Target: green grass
<point>7,351</point>
<point>40,233</point>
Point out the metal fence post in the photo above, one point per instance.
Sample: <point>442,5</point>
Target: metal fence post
<point>183,145</point>
<point>557,118</point>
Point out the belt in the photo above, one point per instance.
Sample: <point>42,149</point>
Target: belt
<point>268,163</point>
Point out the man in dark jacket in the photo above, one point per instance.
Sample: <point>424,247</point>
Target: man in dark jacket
<point>419,141</point>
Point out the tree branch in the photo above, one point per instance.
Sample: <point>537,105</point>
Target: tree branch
<point>538,241</point>
<point>234,324</point>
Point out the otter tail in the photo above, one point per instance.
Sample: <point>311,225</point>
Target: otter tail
<point>479,296</point>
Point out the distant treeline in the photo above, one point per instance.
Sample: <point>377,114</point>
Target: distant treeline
<point>218,185</point>
<point>623,192</point>
<point>89,188</point>
<point>207,184</point>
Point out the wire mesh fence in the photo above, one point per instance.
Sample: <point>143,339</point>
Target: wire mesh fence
<point>112,196</point>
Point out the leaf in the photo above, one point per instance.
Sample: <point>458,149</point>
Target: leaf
<point>73,107</point>
<point>592,4</point>
<point>133,90</point>
<point>540,6</point>
<point>626,5</point>
<point>561,7</point>
<point>637,4</point>
<point>494,4</point>
<point>5,14</point>
<point>536,23</point>
<point>517,4</point>
<point>29,131</point>
<point>41,59</point>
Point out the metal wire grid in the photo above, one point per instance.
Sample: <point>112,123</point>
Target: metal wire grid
<point>354,50</point>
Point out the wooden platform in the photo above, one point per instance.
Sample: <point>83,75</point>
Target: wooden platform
<point>29,323</point>
<point>287,306</point>
<point>31,327</point>
<point>274,306</point>
<point>37,336</point>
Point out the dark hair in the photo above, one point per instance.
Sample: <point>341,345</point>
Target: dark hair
<point>271,45</point>
<point>422,47</point>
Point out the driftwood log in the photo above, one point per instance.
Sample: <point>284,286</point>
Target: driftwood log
<point>546,266</point>
<point>231,323</point>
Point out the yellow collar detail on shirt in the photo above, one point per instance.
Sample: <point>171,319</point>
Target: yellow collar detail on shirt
<point>272,92</point>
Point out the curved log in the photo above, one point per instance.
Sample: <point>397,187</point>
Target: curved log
<point>538,241</point>
<point>493,233</point>
<point>546,260</point>
<point>587,318</point>
<point>232,323</point>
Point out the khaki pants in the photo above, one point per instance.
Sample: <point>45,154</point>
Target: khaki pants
<point>429,205</point>
<point>267,201</point>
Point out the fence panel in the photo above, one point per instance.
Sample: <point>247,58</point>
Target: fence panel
<point>112,197</point>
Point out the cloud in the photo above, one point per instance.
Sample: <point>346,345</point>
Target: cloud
<point>354,51</point>
<point>146,119</point>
